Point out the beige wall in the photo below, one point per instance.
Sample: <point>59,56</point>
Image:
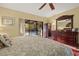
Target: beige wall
<point>13,30</point>
<point>74,12</point>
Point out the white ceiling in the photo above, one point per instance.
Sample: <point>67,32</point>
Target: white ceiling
<point>33,8</point>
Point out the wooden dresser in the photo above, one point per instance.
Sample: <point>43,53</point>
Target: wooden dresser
<point>68,37</point>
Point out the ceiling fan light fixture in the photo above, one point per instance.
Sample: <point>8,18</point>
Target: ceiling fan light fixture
<point>50,5</point>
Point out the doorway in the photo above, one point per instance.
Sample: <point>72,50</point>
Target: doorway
<point>33,28</point>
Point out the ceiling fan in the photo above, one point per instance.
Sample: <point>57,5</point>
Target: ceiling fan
<point>50,4</point>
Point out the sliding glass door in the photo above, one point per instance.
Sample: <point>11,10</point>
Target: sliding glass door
<point>33,28</point>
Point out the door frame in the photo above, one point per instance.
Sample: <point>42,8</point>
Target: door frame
<point>22,25</point>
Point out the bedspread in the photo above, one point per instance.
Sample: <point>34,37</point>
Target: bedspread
<point>35,46</point>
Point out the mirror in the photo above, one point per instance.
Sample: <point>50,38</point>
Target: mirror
<point>64,24</point>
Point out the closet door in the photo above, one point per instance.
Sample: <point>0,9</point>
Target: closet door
<point>47,30</point>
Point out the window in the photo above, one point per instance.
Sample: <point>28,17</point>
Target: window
<point>6,20</point>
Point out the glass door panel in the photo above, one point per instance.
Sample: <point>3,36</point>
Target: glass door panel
<point>32,28</point>
<point>40,28</point>
<point>27,29</point>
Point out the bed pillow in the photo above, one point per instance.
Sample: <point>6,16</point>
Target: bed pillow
<point>1,45</point>
<point>6,40</point>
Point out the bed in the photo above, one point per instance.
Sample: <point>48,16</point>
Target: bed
<point>35,46</point>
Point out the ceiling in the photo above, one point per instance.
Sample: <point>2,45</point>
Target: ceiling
<point>33,8</point>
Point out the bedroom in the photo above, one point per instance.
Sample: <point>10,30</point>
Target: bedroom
<point>18,21</point>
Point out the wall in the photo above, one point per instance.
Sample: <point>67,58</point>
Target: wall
<point>13,30</point>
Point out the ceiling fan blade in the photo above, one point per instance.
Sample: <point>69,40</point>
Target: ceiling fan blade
<point>51,6</point>
<point>42,6</point>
